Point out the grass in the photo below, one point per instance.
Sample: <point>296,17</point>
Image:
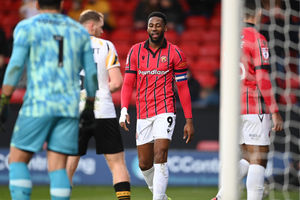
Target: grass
<point>142,193</point>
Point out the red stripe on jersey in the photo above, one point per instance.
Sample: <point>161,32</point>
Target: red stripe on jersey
<point>154,77</point>
<point>256,88</point>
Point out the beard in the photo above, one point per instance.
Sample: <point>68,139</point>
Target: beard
<point>159,38</point>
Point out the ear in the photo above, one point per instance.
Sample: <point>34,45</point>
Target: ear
<point>61,4</point>
<point>37,5</point>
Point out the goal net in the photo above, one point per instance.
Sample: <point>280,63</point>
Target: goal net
<point>280,25</point>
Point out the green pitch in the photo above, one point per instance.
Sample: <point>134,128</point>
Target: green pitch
<point>142,193</point>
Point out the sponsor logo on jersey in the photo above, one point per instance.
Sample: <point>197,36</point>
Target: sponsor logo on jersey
<point>153,72</point>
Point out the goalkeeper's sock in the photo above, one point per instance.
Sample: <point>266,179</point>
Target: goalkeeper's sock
<point>148,176</point>
<point>160,181</point>
<point>244,166</point>
<point>122,190</point>
<point>60,188</point>
<point>20,184</point>
<point>255,182</point>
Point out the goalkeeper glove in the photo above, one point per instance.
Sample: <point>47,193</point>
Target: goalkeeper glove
<point>87,116</point>
<point>4,102</point>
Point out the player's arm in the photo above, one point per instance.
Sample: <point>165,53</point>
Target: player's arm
<point>180,71</point>
<point>265,86</point>
<point>262,68</point>
<point>127,88</point>
<point>14,69</point>
<point>90,83</point>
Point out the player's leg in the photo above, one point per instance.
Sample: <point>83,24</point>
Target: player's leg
<point>20,184</point>
<point>161,172</point>
<point>255,179</point>
<point>62,141</point>
<point>28,137</point>
<point>60,188</point>
<point>85,134</point>
<point>144,142</point>
<point>121,180</point>
<point>71,166</point>
<point>256,131</point>
<point>146,159</point>
<point>109,142</point>
<point>163,128</point>
<point>243,168</point>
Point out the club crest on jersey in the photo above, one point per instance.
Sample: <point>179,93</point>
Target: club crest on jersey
<point>265,53</point>
<point>163,59</point>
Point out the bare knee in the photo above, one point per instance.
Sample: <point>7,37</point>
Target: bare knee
<point>72,163</point>
<point>145,165</point>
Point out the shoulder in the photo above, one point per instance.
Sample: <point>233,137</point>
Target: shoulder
<point>25,23</point>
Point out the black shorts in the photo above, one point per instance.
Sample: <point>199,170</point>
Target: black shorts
<point>107,136</point>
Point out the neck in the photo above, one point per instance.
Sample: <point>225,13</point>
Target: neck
<point>250,20</point>
<point>49,11</point>
<point>156,45</point>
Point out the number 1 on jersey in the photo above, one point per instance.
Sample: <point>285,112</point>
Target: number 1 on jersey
<point>60,40</point>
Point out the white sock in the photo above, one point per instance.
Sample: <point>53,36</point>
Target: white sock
<point>244,166</point>
<point>255,182</point>
<point>148,176</point>
<point>160,181</point>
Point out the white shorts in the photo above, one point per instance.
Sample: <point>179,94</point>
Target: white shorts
<point>255,129</point>
<point>158,127</point>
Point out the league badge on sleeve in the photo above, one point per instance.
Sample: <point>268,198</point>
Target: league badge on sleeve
<point>265,55</point>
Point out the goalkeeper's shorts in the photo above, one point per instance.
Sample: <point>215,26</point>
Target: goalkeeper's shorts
<point>255,129</point>
<point>60,133</point>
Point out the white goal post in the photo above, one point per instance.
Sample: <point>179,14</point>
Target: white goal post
<point>230,98</point>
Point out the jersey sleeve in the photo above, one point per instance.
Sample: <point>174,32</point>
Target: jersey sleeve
<point>20,54</point>
<point>131,62</point>
<point>262,67</point>
<point>90,81</point>
<point>112,59</point>
<point>261,55</point>
<point>180,65</point>
<point>129,78</point>
<point>180,71</point>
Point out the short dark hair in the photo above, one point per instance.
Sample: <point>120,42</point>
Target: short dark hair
<point>251,7</point>
<point>49,4</point>
<point>90,15</point>
<point>158,14</point>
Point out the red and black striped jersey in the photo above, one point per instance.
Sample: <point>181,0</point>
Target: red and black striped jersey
<point>256,89</point>
<point>155,74</point>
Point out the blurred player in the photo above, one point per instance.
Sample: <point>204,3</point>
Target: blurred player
<point>54,49</point>
<point>258,104</point>
<point>105,129</point>
<point>155,65</point>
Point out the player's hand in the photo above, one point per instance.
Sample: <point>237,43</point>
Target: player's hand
<point>188,131</point>
<point>4,102</point>
<point>87,116</point>
<point>277,122</point>
<point>124,117</point>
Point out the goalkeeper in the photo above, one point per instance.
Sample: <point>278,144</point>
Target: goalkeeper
<point>258,106</point>
<point>54,48</point>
